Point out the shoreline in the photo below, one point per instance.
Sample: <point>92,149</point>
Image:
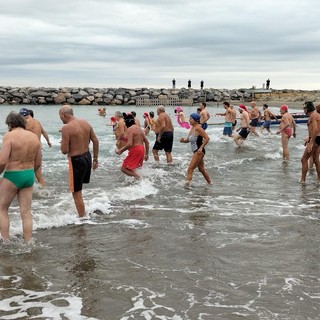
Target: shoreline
<point>149,96</point>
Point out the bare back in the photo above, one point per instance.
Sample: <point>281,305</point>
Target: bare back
<point>135,136</point>
<point>76,136</point>
<point>21,150</point>
<point>163,123</point>
<point>120,129</point>
<point>34,126</point>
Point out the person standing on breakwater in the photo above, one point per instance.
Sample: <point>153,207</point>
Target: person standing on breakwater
<point>35,126</point>
<point>20,157</point>
<point>76,137</point>
<point>164,135</point>
<point>268,84</point>
<point>198,139</point>
<point>204,115</point>
<point>138,146</point>
<point>286,125</point>
<point>312,143</point>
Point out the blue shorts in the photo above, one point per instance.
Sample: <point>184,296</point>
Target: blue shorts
<point>227,130</point>
<point>204,126</point>
<point>267,124</point>
<point>254,122</point>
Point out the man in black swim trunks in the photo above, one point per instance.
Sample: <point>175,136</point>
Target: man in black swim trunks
<point>76,137</point>
<point>164,135</point>
<point>312,143</point>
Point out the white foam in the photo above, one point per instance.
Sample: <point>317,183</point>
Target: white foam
<point>52,305</point>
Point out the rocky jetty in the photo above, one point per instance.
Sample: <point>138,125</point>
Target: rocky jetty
<point>125,96</point>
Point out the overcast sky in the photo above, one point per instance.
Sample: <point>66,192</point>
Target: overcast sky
<point>146,43</point>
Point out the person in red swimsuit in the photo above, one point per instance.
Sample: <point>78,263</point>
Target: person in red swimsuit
<point>138,146</point>
<point>287,124</point>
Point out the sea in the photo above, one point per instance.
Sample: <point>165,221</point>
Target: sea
<point>245,247</point>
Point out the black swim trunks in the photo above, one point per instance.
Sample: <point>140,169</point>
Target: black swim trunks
<point>165,143</point>
<point>79,171</point>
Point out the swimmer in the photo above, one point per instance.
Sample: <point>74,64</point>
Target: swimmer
<point>198,139</point>
<point>287,129</point>
<point>20,157</point>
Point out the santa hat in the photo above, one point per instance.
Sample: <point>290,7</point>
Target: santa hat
<point>243,107</point>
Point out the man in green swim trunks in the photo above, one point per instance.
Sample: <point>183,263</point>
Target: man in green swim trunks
<point>20,157</point>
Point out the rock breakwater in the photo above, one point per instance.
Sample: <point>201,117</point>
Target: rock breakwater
<point>124,96</point>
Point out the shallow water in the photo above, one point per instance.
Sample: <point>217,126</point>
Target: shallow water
<point>246,247</point>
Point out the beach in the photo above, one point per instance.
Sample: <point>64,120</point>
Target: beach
<point>246,247</point>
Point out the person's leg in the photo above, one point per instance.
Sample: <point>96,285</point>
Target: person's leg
<point>204,171</point>
<point>316,160</point>
<point>25,200</point>
<point>285,146</point>
<point>304,165</point>
<point>7,192</point>
<point>194,163</point>
<point>238,139</point>
<point>78,200</point>
<point>169,157</point>
<point>39,177</point>
<point>130,173</point>
<point>155,154</point>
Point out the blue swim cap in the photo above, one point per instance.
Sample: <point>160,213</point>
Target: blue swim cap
<point>24,111</point>
<point>195,116</point>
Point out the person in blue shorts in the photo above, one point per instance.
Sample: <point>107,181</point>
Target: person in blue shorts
<point>229,119</point>
<point>267,115</point>
<point>204,115</point>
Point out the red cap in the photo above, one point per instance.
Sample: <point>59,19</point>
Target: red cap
<point>243,107</point>
<point>284,108</point>
<point>113,119</point>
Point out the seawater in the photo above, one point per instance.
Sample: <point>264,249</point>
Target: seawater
<point>246,247</point>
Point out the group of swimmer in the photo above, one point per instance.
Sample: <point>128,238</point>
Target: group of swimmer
<point>250,120</point>
<point>21,159</point>
<point>20,162</point>
<point>131,136</point>
<point>20,154</point>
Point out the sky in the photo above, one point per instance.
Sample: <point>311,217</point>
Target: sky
<point>229,44</point>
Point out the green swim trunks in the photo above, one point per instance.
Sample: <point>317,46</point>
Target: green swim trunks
<point>20,178</point>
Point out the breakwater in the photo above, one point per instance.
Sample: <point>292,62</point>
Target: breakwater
<point>124,96</point>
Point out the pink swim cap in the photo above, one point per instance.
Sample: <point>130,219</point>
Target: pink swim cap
<point>179,109</point>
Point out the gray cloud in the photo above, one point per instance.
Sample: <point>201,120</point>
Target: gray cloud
<point>228,44</point>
